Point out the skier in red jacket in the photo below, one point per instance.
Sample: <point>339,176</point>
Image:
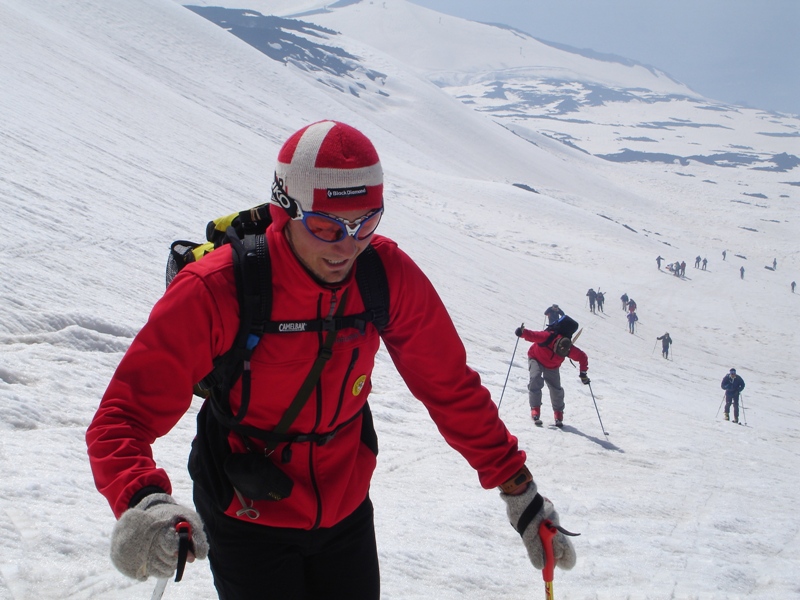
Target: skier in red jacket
<point>548,351</point>
<point>317,541</point>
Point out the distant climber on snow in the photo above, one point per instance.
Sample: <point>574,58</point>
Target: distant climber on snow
<point>592,298</point>
<point>733,385</point>
<point>632,318</point>
<point>545,356</point>
<point>553,314</point>
<point>665,342</point>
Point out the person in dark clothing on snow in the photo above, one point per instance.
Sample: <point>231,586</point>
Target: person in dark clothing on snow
<point>659,258</point>
<point>295,519</point>
<point>683,268</point>
<point>705,262</point>
<point>774,264</point>
<point>549,349</point>
<point>600,300</point>
<point>624,299</point>
<point>697,262</point>
<point>632,305</point>
<point>741,272</point>
<point>553,314</point>
<point>665,342</point>
<point>592,298</point>
<point>632,318</point>
<point>733,385</point>
<point>794,285</point>
<point>724,254</point>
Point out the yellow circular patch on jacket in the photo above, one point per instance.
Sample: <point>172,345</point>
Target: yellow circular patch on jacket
<point>359,385</point>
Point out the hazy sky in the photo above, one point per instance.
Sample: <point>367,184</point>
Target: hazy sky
<point>740,51</point>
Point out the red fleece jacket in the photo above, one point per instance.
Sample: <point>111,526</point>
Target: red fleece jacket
<point>197,320</point>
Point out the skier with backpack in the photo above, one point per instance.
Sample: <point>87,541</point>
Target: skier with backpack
<point>632,318</point>
<point>292,309</point>
<point>600,301</point>
<point>624,299</point>
<point>545,356</point>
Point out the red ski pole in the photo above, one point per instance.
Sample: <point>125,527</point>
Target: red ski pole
<point>547,531</point>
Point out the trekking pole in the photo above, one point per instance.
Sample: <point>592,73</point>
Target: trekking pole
<point>598,412</point>
<point>741,402</point>
<point>720,404</point>
<point>184,530</point>
<point>509,370</point>
<point>547,531</point>
<point>654,348</point>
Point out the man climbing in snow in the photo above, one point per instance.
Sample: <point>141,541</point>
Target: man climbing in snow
<point>624,299</point>
<point>553,314</point>
<point>659,258</point>
<point>282,484</point>
<point>600,301</point>
<point>665,342</point>
<point>592,295</point>
<point>632,318</point>
<point>545,356</point>
<point>733,385</point>
<point>741,272</point>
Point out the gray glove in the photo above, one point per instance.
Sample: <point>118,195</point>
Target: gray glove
<point>563,551</point>
<point>144,542</point>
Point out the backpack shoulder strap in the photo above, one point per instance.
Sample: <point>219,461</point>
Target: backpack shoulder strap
<point>373,284</point>
<point>253,272</point>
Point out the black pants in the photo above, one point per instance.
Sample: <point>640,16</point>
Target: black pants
<point>253,562</point>
<point>732,398</point>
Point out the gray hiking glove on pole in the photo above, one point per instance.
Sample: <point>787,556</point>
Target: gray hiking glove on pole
<point>526,512</point>
<point>144,542</point>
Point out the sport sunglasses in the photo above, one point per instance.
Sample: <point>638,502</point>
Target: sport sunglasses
<point>325,227</point>
<point>332,229</point>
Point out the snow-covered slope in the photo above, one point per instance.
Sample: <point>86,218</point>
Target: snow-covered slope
<point>611,107</point>
<point>126,126</point>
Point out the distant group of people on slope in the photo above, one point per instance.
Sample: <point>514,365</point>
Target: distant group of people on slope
<point>555,343</point>
<point>595,299</point>
<point>629,304</point>
<point>679,268</point>
<point>552,346</point>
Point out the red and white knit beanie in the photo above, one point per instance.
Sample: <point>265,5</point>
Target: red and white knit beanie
<point>326,167</point>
